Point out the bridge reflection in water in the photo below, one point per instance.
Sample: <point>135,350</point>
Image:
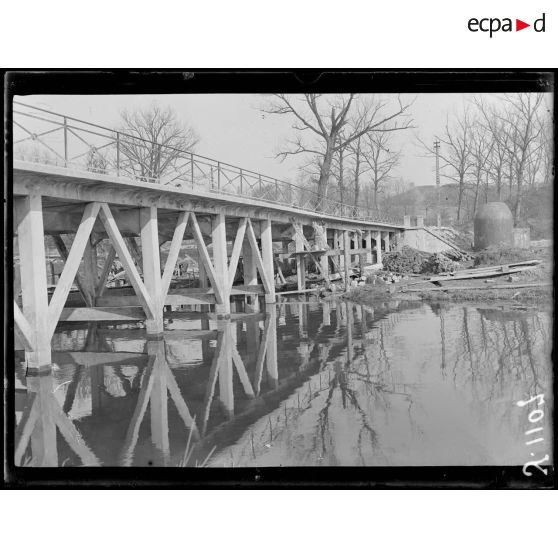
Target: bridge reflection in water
<point>304,384</point>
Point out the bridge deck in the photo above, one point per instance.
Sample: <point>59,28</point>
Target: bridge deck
<point>70,185</point>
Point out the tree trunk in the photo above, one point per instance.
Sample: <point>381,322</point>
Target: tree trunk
<point>476,199</point>
<point>325,171</point>
<point>517,209</point>
<point>357,179</point>
<point>499,184</point>
<point>341,184</point>
<point>460,199</point>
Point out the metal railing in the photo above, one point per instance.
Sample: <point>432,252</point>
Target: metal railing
<point>50,138</point>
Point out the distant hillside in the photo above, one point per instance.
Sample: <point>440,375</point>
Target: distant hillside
<point>537,207</point>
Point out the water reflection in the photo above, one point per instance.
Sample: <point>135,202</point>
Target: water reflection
<point>332,383</point>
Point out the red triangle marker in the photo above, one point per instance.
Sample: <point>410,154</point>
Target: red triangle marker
<point>519,25</point>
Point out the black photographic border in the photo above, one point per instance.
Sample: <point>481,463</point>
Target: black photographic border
<point>177,81</point>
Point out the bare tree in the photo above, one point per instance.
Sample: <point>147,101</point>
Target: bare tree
<point>324,118</point>
<point>339,166</point>
<point>523,130</point>
<point>481,149</point>
<point>498,162</point>
<point>158,143</point>
<point>547,142</point>
<point>381,161</point>
<point>456,153</point>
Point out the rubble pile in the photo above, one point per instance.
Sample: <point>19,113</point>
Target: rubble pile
<point>438,263</point>
<point>408,260</point>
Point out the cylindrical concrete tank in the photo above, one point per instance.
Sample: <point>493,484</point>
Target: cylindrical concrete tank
<point>493,225</point>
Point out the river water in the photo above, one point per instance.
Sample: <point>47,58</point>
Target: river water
<point>309,384</point>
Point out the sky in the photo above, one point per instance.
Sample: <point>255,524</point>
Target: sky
<point>233,129</point>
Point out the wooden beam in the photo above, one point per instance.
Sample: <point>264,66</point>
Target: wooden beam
<point>237,248</point>
<point>250,272</point>
<point>72,264</point>
<point>378,247</point>
<point>219,240</point>
<point>102,281</point>
<point>96,358</point>
<point>204,255</point>
<point>73,184</point>
<point>63,251</point>
<point>174,252</point>
<point>268,285</point>
<point>127,261</point>
<point>134,248</point>
<point>32,259</point>
<point>23,330</point>
<point>100,314</point>
<point>347,258</point>
<point>152,266</point>
<point>267,259</point>
<point>299,231</point>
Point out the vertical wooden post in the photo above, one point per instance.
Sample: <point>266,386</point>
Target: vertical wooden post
<point>347,258</point>
<point>337,245</point>
<point>385,237</point>
<point>152,266</point>
<point>391,239</point>
<point>219,238</point>
<point>300,263</point>
<point>90,272</point>
<point>202,274</point>
<point>378,247</point>
<point>267,259</point>
<point>250,272</point>
<point>29,216</point>
<point>368,239</point>
<point>361,256</point>
<point>324,260</point>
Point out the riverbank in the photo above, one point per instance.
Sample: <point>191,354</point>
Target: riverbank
<point>533,286</point>
<point>538,294</point>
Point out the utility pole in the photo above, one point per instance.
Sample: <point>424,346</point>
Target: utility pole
<point>437,149</point>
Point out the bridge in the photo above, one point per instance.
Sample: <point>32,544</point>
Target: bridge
<point>72,177</point>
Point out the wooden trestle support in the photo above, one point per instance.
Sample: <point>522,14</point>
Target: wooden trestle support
<point>334,246</point>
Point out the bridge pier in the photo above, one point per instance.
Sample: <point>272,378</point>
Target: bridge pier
<point>149,291</point>
<point>378,247</point>
<point>250,273</point>
<point>32,324</point>
<point>152,268</point>
<point>268,260</point>
<point>219,238</point>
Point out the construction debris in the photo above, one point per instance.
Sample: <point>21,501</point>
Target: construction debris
<point>482,272</point>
